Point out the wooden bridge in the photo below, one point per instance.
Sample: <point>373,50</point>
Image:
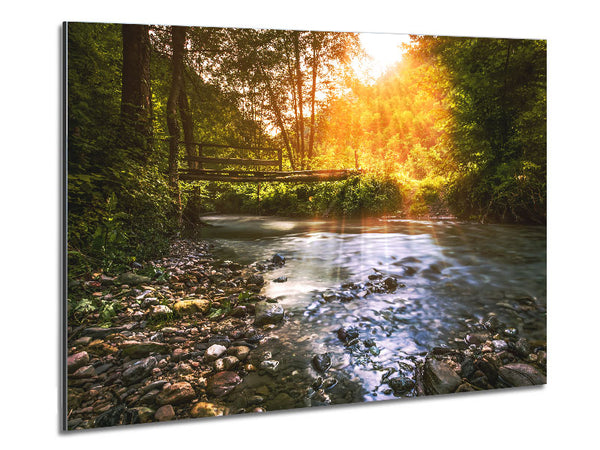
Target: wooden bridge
<point>197,171</point>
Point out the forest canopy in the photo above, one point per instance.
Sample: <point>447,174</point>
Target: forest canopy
<point>457,126</point>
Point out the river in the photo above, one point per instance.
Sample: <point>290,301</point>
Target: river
<point>451,274</point>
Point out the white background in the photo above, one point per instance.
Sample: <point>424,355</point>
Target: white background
<point>562,413</point>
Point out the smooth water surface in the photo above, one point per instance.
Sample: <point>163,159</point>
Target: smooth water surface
<point>453,274</point>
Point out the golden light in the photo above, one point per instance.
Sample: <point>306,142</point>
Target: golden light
<point>383,51</point>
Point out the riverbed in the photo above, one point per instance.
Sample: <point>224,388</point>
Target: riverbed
<point>450,276</point>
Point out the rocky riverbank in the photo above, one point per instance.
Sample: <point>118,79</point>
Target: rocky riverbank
<point>168,346</point>
<point>491,356</point>
<point>190,336</point>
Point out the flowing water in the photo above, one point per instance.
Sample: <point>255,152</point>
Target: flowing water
<point>451,274</point>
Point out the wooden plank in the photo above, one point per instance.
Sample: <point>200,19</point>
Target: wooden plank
<point>236,147</point>
<point>238,161</point>
<point>237,172</point>
<point>283,177</point>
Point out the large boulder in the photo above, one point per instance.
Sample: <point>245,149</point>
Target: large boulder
<point>439,378</point>
<point>266,313</point>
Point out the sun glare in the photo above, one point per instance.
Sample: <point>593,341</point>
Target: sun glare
<point>383,50</point>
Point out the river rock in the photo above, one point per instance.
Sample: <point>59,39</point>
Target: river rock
<point>467,368</point>
<point>144,413</point>
<point>222,383</point>
<point>77,360</point>
<point>239,351</point>
<point>138,350</point>
<point>229,362</point>
<point>439,378</point>
<point>158,384</point>
<point>110,418</point>
<point>214,351</point>
<point>239,311</point>
<point>391,284</point>
<point>278,260</point>
<point>477,338</point>
<point>192,306</point>
<point>269,366</point>
<point>176,394</point>
<point>401,385</point>
<point>522,347</point>
<point>347,335</point>
<point>205,409</point>
<point>159,311</point>
<point>84,372</point>
<point>266,313</point>
<point>179,354</point>
<point>519,374</point>
<point>321,363</point>
<point>101,332</point>
<point>499,345</point>
<point>165,413</point>
<point>139,370</point>
<point>99,347</point>
<point>132,279</point>
<point>281,279</point>
<point>255,280</point>
<point>493,323</point>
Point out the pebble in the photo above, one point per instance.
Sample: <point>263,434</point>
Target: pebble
<point>499,345</point>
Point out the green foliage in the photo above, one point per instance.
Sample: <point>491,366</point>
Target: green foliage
<point>79,309</point>
<point>496,131</point>
<point>427,197</point>
<point>119,209</point>
<point>356,196</point>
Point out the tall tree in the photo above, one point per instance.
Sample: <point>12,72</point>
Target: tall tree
<point>316,48</point>
<point>296,40</point>
<point>177,44</point>
<point>136,105</point>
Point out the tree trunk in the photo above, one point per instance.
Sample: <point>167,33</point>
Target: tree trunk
<point>291,70</point>
<point>178,41</point>
<point>278,116</point>
<point>136,105</point>
<point>315,65</point>
<point>186,123</point>
<point>299,87</point>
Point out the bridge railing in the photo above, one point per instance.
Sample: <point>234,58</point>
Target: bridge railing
<point>201,159</point>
